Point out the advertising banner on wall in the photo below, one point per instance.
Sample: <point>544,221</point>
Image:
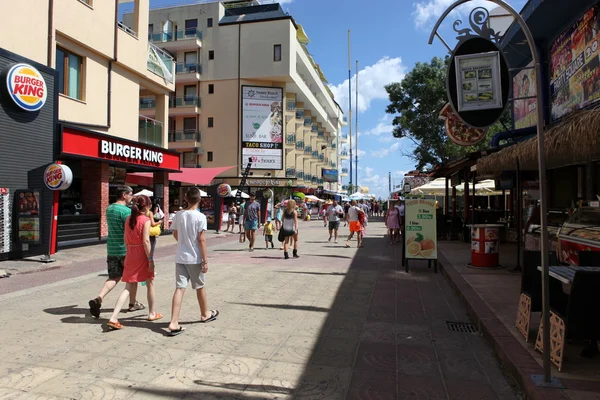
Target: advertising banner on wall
<point>575,65</point>
<point>524,111</point>
<point>262,127</point>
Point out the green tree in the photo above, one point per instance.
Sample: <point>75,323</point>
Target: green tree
<point>416,103</point>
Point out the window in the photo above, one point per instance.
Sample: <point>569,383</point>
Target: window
<point>191,25</point>
<point>70,73</point>
<point>189,92</point>
<point>209,22</point>
<point>209,157</point>
<point>211,88</point>
<point>189,159</point>
<point>211,122</point>
<point>277,52</point>
<point>211,54</point>
<point>189,125</point>
<point>150,30</point>
<point>88,2</point>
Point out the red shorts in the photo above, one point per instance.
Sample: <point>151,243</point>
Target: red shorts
<point>355,226</point>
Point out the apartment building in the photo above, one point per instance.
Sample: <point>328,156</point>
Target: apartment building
<point>242,65</point>
<point>102,67</point>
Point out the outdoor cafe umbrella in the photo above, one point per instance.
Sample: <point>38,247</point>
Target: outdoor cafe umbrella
<point>145,192</point>
<point>234,193</point>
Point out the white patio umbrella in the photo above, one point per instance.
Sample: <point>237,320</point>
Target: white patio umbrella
<point>145,192</point>
<point>203,193</point>
<point>310,197</point>
<point>234,193</point>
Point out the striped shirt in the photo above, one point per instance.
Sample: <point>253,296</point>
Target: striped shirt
<point>116,214</point>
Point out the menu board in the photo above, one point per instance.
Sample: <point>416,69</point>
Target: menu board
<point>207,206</point>
<point>478,81</point>
<point>575,65</point>
<point>420,229</point>
<point>27,206</point>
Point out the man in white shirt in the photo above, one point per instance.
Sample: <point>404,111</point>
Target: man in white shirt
<point>334,213</point>
<point>189,229</point>
<point>354,222</point>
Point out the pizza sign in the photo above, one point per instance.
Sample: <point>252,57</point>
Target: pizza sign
<point>459,132</point>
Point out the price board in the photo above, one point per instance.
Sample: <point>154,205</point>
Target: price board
<point>420,236</point>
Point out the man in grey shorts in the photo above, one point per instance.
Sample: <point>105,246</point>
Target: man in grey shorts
<point>189,229</point>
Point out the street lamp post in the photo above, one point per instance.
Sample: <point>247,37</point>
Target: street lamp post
<point>547,378</point>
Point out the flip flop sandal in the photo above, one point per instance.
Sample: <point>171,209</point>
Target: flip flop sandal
<point>95,308</point>
<point>157,316</point>
<point>136,306</point>
<point>114,325</point>
<point>176,332</point>
<point>213,315</point>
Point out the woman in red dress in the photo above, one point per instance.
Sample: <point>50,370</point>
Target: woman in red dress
<point>139,265</point>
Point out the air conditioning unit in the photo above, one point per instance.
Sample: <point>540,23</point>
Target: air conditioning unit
<point>198,150</point>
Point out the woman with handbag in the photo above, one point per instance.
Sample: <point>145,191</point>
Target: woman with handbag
<point>289,230</point>
<point>156,220</point>
<point>139,264</point>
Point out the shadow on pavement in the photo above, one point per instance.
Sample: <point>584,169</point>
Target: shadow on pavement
<point>286,307</point>
<point>312,273</point>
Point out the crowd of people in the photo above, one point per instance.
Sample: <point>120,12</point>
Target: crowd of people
<point>134,224</point>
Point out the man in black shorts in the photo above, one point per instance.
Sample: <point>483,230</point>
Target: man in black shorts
<point>334,213</point>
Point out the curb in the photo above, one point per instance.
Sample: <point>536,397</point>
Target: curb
<point>516,360</point>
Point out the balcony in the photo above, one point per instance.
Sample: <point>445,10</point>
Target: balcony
<point>150,131</point>
<point>300,145</point>
<point>307,177</point>
<point>308,150</point>
<point>307,121</point>
<point>291,105</point>
<point>321,157</point>
<point>344,170</point>
<point>188,73</point>
<point>344,137</point>
<point>344,154</point>
<point>315,154</point>
<point>160,63</point>
<point>180,39</point>
<point>333,145</point>
<point>299,175</point>
<point>185,139</point>
<point>332,164</point>
<point>321,133</point>
<point>185,105</point>
<point>290,172</point>
<point>300,114</point>
<point>147,103</point>
<point>290,139</point>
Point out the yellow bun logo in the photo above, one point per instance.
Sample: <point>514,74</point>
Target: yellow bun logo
<point>58,177</point>
<point>26,87</point>
<point>223,190</point>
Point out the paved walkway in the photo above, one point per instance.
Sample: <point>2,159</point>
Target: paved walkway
<point>336,323</point>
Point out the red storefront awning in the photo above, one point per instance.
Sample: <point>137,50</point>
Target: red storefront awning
<point>194,176</point>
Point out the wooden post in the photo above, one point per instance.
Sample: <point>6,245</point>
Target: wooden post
<point>447,197</point>
<point>466,196</point>
<point>453,201</point>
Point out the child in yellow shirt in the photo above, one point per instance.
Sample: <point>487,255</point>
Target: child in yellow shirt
<point>268,233</point>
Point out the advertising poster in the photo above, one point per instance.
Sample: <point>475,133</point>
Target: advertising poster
<point>27,204</point>
<point>262,127</point>
<point>420,229</point>
<point>330,175</point>
<point>575,65</point>
<point>478,81</point>
<point>207,206</point>
<point>524,111</point>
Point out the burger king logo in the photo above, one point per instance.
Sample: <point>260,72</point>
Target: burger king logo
<point>26,87</point>
<point>224,190</point>
<point>58,177</point>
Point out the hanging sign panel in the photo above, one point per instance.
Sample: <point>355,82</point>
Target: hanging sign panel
<point>478,81</point>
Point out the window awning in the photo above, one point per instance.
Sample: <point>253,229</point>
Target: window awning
<point>194,176</point>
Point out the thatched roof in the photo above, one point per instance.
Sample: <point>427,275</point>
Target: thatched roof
<point>575,140</point>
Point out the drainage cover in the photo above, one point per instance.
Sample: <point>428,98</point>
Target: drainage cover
<point>464,327</point>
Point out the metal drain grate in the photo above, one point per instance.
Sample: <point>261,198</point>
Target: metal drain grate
<point>464,327</point>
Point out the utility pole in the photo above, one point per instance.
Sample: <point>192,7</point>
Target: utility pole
<point>350,104</point>
<point>356,130</point>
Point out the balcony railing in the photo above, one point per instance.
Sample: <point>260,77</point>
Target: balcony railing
<point>299,174</point>
<point>344,170</point>
<point>299,114</point>
<point>307,178</point>
<point>150,131</point>
<point>344,153</point>
<point>185,101</point>
<point>186,68</point>
<point>333,164</point>
<point>174,35</point>
<point>345,136</point>
<point>321,157</point>
<point>308,150</point>
<point>315,154</point>
<point>185,135</point>
<point>333,145</point>
<point>290,139</point>
<point>127,29</point>
<point>291,105</point>
<point>161,63</point>
<point>290,172</point>
<point>300,145</point>
<point>321,133</point>
<point>307,121</point>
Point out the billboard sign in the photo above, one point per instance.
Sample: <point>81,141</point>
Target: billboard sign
<point>524,111</point>
<point>330,175</point>
<point>262,127</point>
<point>575,65</point>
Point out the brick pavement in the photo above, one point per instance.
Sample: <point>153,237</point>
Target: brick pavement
<point>336,323</point>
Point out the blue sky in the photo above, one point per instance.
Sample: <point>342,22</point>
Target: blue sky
<point>388,38</point>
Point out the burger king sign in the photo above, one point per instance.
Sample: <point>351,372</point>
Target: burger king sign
<point>58,177</point>
<point>26,87</point>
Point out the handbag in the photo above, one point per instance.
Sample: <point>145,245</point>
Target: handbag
<point>159,214</point>
<point>155,230</point>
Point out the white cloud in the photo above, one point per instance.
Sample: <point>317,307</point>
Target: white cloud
<point>284,1</point>
<point>369,171</point>
<point>386,139</point>
<point>371,83</point>
<point>426,12</point>
<point>386,151</point>
<point>361,153</point>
